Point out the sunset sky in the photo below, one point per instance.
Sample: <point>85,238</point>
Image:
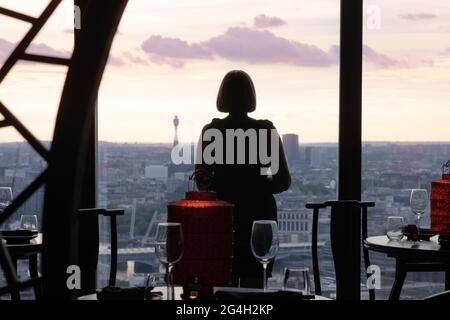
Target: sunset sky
<point>170,56</point>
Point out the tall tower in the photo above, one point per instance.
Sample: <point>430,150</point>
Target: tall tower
<point>176,122</point>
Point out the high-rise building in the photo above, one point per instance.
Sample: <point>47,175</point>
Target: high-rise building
<point>291,147</point>
<point>308,156</point>
<point>159,172</point>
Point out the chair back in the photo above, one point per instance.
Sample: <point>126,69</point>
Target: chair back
<point>89,246</point>
<point>338,247</point>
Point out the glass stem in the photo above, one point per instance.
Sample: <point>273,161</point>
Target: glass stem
<point>170,289</point>
<point>167,282</point>
<point>264,276</point>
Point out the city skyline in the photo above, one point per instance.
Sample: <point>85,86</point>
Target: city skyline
<point>141,177</point>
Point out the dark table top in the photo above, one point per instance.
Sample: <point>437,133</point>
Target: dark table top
<point>430,249</point>
<point>179,291</point>
<point>35,246</point>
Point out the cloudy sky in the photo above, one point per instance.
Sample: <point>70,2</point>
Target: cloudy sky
<point>170,56</point>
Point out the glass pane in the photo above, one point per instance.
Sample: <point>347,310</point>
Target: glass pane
<point>172,64</point>
<point>19,166</point>
<point>406,102</point>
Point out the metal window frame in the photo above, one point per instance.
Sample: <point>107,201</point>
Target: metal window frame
<point>346,224</point>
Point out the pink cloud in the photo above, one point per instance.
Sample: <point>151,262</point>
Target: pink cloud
<point>383,61</point>
<point>175,48</point>
<point>135,58</point>
<point>43,49</point>
<point>263,21</point>
<point>374,58</point>
<point>379,59</point>
<point>264,47</point>
<point>115,61</point>
<point>418,16</point>
<point>239,44</point>
<point>6,47</point>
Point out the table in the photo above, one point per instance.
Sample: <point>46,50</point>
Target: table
<point>412,256</point>
<point>34,247</point>
<point>27,251</point>
<point>178,292</point>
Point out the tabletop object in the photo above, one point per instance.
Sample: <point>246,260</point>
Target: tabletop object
<point>440,201</point>
<point>207,225</point>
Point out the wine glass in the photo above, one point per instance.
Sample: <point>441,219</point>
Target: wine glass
<point>264,243</point>
<point>296,279</point>
<point>28,222</point>
<point>169,250</point>
<point>6,197</point>
<point>419,202</point>
<point>394,228</point>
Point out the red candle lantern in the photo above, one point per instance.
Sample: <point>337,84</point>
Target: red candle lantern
<point>207,225</point>
<point>440,202</point>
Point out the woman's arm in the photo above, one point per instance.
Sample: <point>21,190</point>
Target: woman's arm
<point>203,177</point>
<point>203,174</point>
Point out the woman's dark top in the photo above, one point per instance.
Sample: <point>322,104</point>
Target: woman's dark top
<point>249,191</point>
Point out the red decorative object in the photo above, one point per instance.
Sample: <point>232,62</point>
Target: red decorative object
<point>440,201</point>
<point>207,225</point>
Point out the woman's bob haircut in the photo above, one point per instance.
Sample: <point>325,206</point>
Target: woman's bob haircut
<point>237,93</point>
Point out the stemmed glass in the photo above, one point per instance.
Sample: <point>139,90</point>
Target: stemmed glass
<point>264,243</point>
<point>419,202</point>
<point>169,250</point>
<point>6,197</point>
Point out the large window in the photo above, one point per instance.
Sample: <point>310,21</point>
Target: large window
<point>406,104</point>
<point>168,59</point>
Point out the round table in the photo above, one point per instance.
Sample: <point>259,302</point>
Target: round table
<point>34,247</point>
<point>27,251</point>
<point>412,256</point>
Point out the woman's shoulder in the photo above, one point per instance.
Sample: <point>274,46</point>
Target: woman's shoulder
<point>250,122</point>
<point>264,123</point>
<point>215,123</point>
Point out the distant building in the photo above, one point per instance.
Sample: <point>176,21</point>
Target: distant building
<point>181,176</point>
<point>293,221</point>
<point>319,157</point>
<point>294,225</point>
<point>308,156</point>
<point>156,172</point>
<point>291,147</point>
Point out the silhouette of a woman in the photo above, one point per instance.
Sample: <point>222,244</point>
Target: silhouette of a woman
<point>242,184</point>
